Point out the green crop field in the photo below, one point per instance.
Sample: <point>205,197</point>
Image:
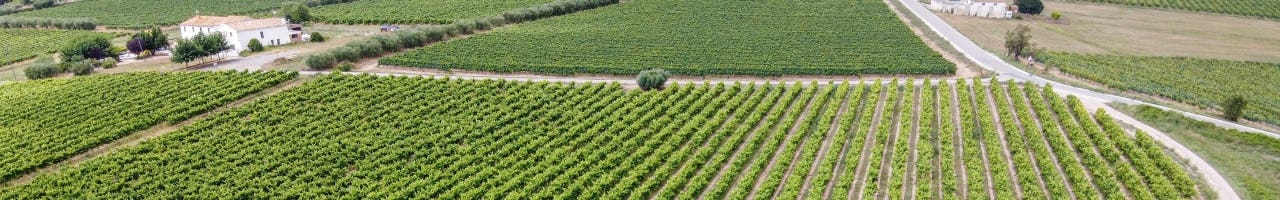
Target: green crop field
<point>21,44</point>
<point>368,137</point>
<point>764,38</point>
<point>1254,8</point>
<point>143,13</point>
<point>1201,82</point>
<point>43,122</point>
<point>416,11</point>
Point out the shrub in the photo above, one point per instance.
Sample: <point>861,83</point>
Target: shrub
<point>88,46</point>
<point>108,63</point>
<point>389,43</point>
<point>1033,7</point>
<point>320,61</point>
<point>255,46</point>
<point>1233,108</point>
<point>136,46</point>
<point>652,79</point>
<point>409,38</point>
<point>346,66</point>
<point>1057,15</point>
<point>145,53</point>
<point>82,68</point>
<point>41,71</point>
<point>42,4</point>
<point>368,48</point>
<point>317,37</point>
<point>345,53</point>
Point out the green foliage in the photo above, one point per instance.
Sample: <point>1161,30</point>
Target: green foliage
<point>48,121</point>
<point>1269,9</point>
<point>1233,153</point>
<point>320,60</point>
<point>51,23</point>
<point>108,63</point>
<point>81,68</point>
<point>1233,108</point>
<point>1057,15</point>
<point>41,70</point>
<point>1033,7</point>
<point>1018,41</point>
<point>317,37</point>
<point>764,139</point>
<point>152,39</point>
<point>255,46</point>
<point>346,66</point>
<point>693,38</point>
<point>296,12</point>
<point>94,46</point>
<point>126,13</point>
<point>1205,83</point>
<point>22,44</point>
<point>416,11</point>
<point>198,47</point>
<point>652,79</point>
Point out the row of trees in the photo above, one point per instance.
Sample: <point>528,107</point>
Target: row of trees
<point>198,47</point>
<point>42,22</point>
<point>24,5</point>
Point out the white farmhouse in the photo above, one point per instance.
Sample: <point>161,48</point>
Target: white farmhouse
<point>979,8</point>
<point>240,29</point>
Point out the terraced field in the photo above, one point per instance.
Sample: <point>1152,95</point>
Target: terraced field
<point>43,122</point>
<point>763,38</point>
<point>416,11</point>
<point>343,136</point>
<point>21,44</point>
<point>1205,83</point>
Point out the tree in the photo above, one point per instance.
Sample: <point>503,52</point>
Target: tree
<point>1033,7</point>
<point>1017,40</point>
<point>295,12</point>
<point>1234,108</point>
<point>88,47</point>
<point>317,37</point>
<point>136,46</point>
<point>199,46</point>
<point>157,39</point>
<point>652,79</point>
<point>41,70</point>
<point>255,46</point>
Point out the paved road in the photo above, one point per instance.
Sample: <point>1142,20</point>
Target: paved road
<point>254,62</point>
<point>1007,71</point>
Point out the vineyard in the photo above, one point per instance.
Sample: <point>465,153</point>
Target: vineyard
<point>43,122</point>
<point>1201,82</point>
<point>416,11</point>
<point>126,13</point>
<point>762,38</point>
<point>368,137</point>
<point>1255,8</point>
<point>21,44</point>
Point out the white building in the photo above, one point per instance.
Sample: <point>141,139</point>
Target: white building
<point>240,29</point>
<point>979,8</point>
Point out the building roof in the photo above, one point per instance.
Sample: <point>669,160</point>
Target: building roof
<point>213,20</point>
<point>257,24</point>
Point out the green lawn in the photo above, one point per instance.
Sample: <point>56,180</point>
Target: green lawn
<point>1249,161</point>
<point>766,38</point>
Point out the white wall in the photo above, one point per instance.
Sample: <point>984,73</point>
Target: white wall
<point>268,36</point>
